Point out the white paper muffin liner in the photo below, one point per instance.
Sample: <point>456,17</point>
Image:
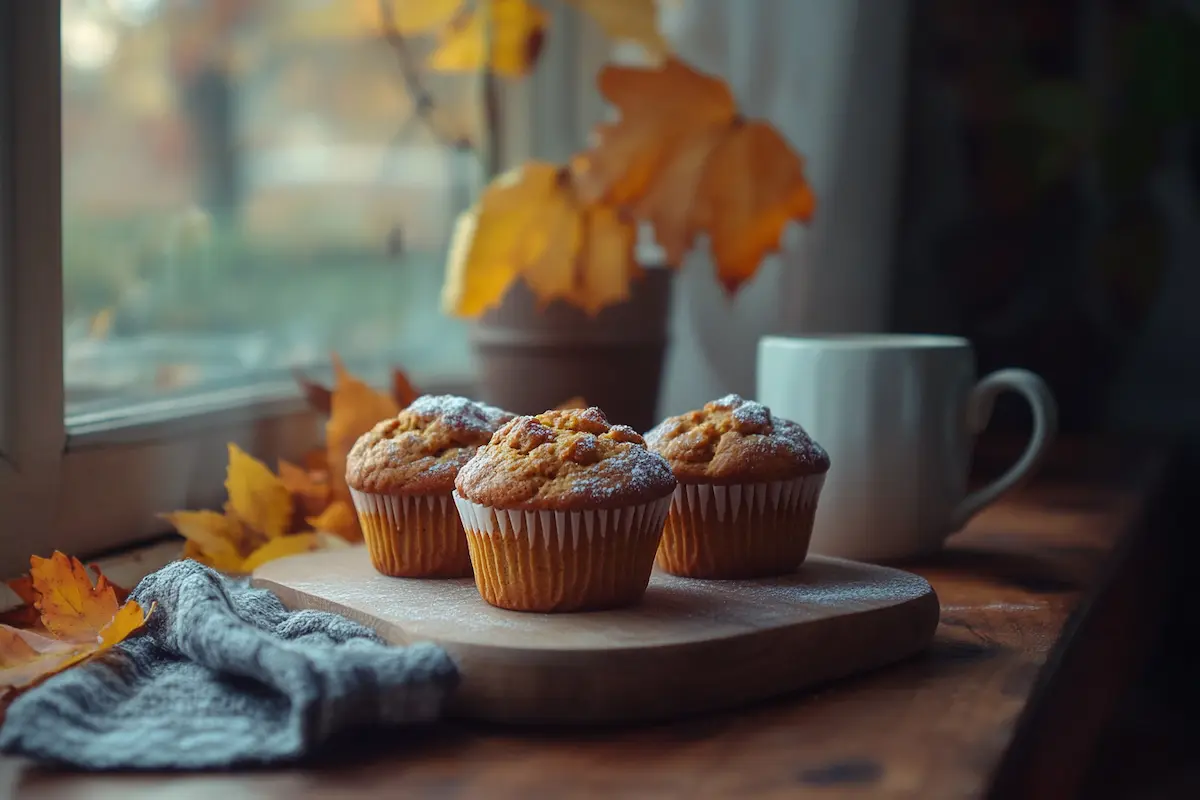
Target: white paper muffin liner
<point>741,530</point>
<point>744,500</point>
<point>562,560</point>
<point>412,535</point>
<point>564,527</point>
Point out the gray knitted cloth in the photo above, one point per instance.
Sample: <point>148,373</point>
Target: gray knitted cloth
<point>224,675</point>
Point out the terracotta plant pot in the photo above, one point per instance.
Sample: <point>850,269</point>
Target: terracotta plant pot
<point>532,360</point>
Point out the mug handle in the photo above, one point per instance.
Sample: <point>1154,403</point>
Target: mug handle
<point>980,403</point>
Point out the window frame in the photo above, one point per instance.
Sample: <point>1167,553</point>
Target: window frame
<point>100,482</point>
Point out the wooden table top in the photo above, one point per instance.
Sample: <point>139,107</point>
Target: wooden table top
<point>1045,601</point>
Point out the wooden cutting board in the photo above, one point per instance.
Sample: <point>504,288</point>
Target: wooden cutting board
<point>690,646</point>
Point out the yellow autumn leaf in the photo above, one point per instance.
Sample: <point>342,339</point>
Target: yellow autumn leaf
<point>339,519</point>
<point>517,29</point>
<point>421,16</point>
<point>214,537</point>
<point>256,494</point>
<point>530,222</point>
<point>290,546</point>
<point>477,271</point>
<point>128,620</point>
<point>630,21</point>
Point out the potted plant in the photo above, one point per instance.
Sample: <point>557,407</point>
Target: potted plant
<point>544,260</point>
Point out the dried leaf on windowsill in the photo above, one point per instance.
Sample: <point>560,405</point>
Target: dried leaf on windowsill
<point>309,487</point>
<point>257,497</point>
<point>339,519</point>
<point>77,620</point>
<point>320,399</point>
<point>355,407</point>
<point>228,542</point>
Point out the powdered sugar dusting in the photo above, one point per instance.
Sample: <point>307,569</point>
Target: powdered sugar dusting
<point>460,413</point>
<point>736,440</point>
<point>728,402</point>
<point>752,415</point>
<point>634,470</point>
<point>563,460</point>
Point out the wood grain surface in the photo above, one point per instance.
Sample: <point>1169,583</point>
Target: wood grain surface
<point>754,638</point>
<point>1046,602</point>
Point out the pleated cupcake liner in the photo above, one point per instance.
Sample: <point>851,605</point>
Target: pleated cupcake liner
<point>413,536</point>
<point>740,531</point>
<point>555,561</point>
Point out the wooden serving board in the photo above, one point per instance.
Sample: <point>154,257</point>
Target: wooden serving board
<point>689,646</point>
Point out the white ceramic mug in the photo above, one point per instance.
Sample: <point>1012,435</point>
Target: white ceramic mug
<point>898,415</point>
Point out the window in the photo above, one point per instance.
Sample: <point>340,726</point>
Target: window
<point>246,187</point>
<point>240,189</point>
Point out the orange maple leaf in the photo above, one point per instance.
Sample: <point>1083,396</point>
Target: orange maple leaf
<point>338,518</point>
<point>354,409</point>
<point>26,614</point>
<point>320,399</point>
<point>683,158</point>
<point>84,619</point>
<point>72,608</point>
<point>316,460</point>
<point>532,223</point>
<point>309,488</point>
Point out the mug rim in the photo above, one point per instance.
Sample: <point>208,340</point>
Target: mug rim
<point>869,341</point>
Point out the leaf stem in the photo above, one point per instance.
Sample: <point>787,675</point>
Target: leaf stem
<point>424,104</point>
<point>489,86</point>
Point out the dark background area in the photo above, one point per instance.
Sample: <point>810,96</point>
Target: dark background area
<point>1051,213</point>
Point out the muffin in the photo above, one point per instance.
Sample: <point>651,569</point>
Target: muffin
<point>401,477</point>
<point>563,512</point>
<point>748,489</point>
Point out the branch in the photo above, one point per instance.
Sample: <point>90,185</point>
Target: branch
<point>490,89</point>
<point>423,102</point>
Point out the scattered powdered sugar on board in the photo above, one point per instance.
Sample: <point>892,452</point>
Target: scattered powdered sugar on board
<point>674,609</point>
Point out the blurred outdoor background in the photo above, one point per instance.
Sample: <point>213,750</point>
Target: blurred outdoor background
<point>246,187</point>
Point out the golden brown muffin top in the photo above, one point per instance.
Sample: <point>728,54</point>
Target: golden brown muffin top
<point>420,450</point>
<point>565,460</point>
<point>733,440</point>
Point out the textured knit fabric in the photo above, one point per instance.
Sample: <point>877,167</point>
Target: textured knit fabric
<point>224,675</point>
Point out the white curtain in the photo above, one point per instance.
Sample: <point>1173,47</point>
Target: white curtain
<point>830,74</point>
